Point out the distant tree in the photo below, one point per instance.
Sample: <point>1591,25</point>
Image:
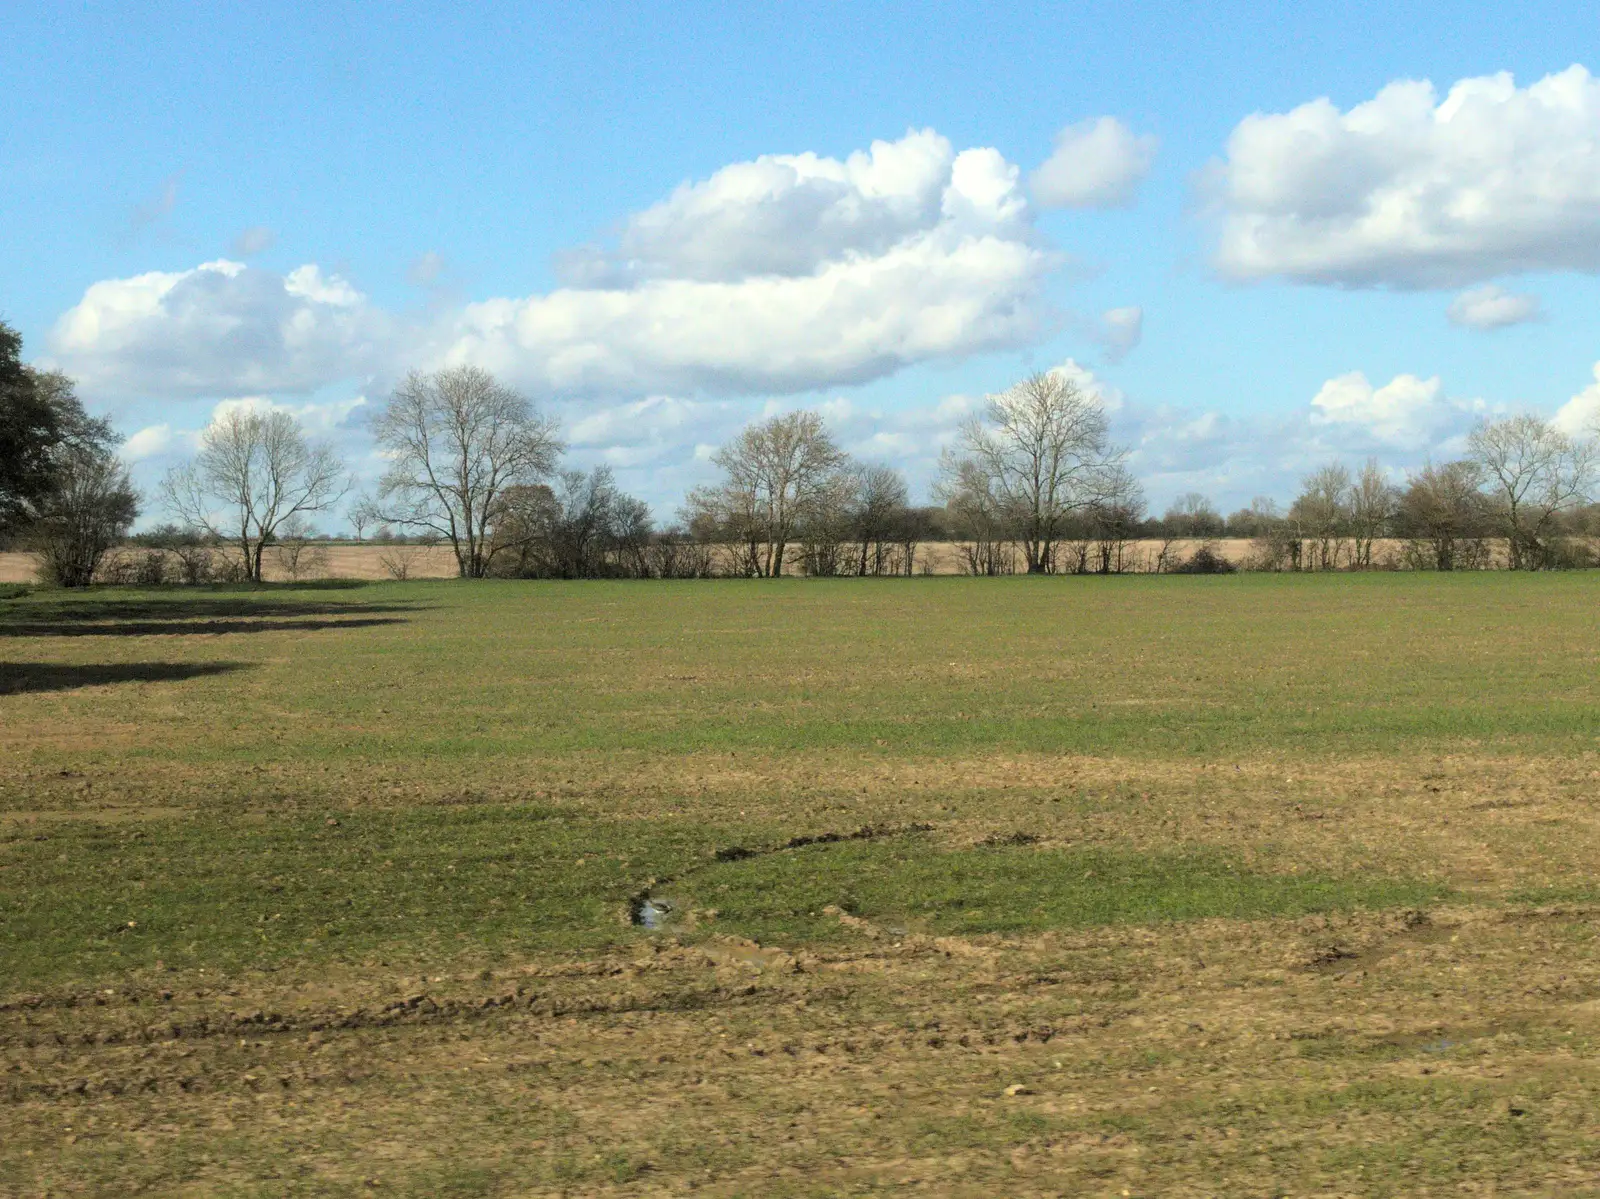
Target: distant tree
<point>777,474</point>
<point>978,517</point>
<point>298,553</point>
<point>1321,513</point>
<point>254,472</point>
<point>1039,453</point>
<point>1114,519</point>
<point>1371,504</point>
<point>1533,473</point>
<point>1443,516</point>
<point>89,510</point>
<point>583,527</point>
<point>879,516</point>
<point>62,489</point>
<point>364,515</point>
<point>457,440</point>
<point>1194,516</point>
<point>828,531</point>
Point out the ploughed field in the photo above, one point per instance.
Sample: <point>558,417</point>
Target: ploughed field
<point>1254,885</point>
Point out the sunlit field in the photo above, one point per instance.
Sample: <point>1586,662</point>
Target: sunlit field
<point>1262,884</point>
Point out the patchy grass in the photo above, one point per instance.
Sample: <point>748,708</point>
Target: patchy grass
<point>1158,885</point>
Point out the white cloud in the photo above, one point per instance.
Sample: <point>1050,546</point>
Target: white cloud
<point>1098,163</point>
<point>220,328</point>
<point>790,214</point>
<point>1119,331</point>
<point>1408,190</point>
<point>791,273</point>
<point>1491,307</point>
<point>1403,412</point>
<point>253,241</point>
<point>149,442</point>
<point>1580,416</point>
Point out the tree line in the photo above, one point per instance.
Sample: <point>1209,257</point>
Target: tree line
<point>1032,483</point>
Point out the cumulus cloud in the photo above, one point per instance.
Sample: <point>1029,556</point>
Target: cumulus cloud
<point>221,328</point>
<point>1119,331</point>
<point>1580,416</point>
<point>150,442</point>
<point>255,240</point>
<point>1097,163</point>
<point>1409,190</point>
<point>1491,307</point>
<point>788,274</point>
<point>1236,457</point>
<point>1403,412</point>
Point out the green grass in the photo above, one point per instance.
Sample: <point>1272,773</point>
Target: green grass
<point>314,801</point>
<point>903,886</point>
<point>1167,667</point>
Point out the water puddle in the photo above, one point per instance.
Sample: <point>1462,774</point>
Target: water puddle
<point>652,913</point>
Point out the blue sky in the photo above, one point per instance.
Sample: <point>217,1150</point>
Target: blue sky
<point>380,190</point>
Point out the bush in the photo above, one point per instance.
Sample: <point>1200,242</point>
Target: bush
<point>1205,561</point>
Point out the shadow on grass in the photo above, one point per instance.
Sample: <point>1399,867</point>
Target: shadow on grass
<point>101,608</point>
<point>18,678</point>
<point>182,628</point>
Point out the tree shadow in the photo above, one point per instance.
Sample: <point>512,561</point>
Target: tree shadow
<point>20,678</point>
<point>104,608</point>
<point>181,628</point>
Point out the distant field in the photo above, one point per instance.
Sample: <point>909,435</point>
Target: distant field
<point>347,561</point>
<point>1148,885</point>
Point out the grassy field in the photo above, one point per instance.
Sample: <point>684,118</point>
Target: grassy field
<point>1257,885</point>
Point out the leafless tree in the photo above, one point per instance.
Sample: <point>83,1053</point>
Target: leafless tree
<point>977,516</point>
<point>1043,449</point>
<point>1441,514</point>
<point>458,440</point>
<point>880,506</point>
<point>827,531</point>
<point>1533,472</point>
<point>254,471</point>
<point>90,509</point>
<point>363,515</point>
<point>1372,503</point>
<point>298,555</point>
<point>1114,519</point>
<point>776,474</point>
<point>1321,511</point>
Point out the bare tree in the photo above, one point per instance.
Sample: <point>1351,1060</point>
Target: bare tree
<point>363,515</point>
<point>458,440</point>
<point>977,516</point>
<point>1043,447</point>
<point>880,506</point>
<point>1322,513</point>
<point>1372,505</point>
<point>1534,472</point>
<point>254,471</point>
<point>1441,513</point>
<point>90,509</point>
<point>1114,519</point>
<point>776,474</point>
<point>299,555</point>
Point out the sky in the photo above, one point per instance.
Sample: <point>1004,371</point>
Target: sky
<point>1266,236</point>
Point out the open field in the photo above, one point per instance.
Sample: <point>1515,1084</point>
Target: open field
<point>1256,885</point>
<point>341,560</point>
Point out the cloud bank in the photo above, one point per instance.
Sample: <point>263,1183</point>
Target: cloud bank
<point>787,274</point>
<point>1408,190</point>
